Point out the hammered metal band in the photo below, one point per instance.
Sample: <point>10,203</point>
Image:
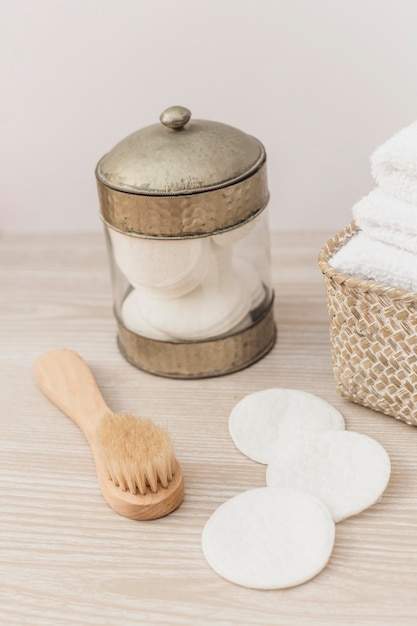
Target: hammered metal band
<point>200,359</point>
<point>196,214</point>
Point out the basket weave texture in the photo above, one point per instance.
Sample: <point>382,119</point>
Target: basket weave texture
<point>373,337</point>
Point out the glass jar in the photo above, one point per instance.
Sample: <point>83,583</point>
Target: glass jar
<point>183,203</point>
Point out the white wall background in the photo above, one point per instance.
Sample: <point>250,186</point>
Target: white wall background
<point>320,82</point>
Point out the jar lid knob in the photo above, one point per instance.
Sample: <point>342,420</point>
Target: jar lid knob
<point>175,117</point>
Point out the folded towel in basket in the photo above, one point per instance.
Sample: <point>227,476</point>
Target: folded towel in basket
<point>387,219</point>
<point>366,257</point>
<point>394,164</point>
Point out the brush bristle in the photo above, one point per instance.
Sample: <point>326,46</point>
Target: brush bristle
<point>138,454</point>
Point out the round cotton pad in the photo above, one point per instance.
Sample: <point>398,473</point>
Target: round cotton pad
<point>213,308</point>
<point>173,266</point>
<point>346,470</point>
<point>249,275</point>
<point>269,538</point>
<point>134,320</point>
<point>260,418</point>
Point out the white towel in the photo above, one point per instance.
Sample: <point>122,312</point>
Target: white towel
<point>387,219</point>
<point>394,164</point>
<point>366,257</point>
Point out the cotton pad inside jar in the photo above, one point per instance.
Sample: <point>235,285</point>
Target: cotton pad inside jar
<point>134,320</point>
<point>258,420</point>
<point>217,305</point>
<point>249,275</point>
<point>269,538</point>
<point>171,267</point>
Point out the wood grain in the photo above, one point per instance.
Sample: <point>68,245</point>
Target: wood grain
<point>67,558</point>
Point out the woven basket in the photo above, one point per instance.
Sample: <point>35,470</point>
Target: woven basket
<point>373,336</point>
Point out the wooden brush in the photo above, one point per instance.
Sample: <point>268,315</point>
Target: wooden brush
<point>139,475</point>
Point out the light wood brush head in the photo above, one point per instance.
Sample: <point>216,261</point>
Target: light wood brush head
<point>138,454</point>
<point>139,475</point>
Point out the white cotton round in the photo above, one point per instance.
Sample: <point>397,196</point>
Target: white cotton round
<point>133,319</point>
<point>347,471</point>
<point>250,277</point>
<point>242,325</point>
<point>217,305</point>
<point>172,266</point>
<point>269,538</point>
<point>261,418</point>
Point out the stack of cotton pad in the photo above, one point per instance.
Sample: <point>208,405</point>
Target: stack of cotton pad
<point>314,465</point>
<point>212,308</point>
<point>185,289</point>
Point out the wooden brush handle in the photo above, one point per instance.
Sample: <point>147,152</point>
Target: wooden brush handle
<point>65,378</point>
<point>67,381</point>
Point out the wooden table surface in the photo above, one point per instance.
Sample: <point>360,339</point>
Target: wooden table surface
<point>67,558</point>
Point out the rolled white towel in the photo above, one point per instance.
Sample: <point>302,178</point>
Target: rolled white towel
<point>366,257</point>
<point>394,164</point>
<point>387,219</point>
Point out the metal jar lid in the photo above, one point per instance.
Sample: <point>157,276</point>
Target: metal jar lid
<point>182,178</point>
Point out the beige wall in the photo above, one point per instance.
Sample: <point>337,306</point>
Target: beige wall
<point>321,82</point>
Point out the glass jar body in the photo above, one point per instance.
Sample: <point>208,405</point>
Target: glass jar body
<point>191,289</point>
